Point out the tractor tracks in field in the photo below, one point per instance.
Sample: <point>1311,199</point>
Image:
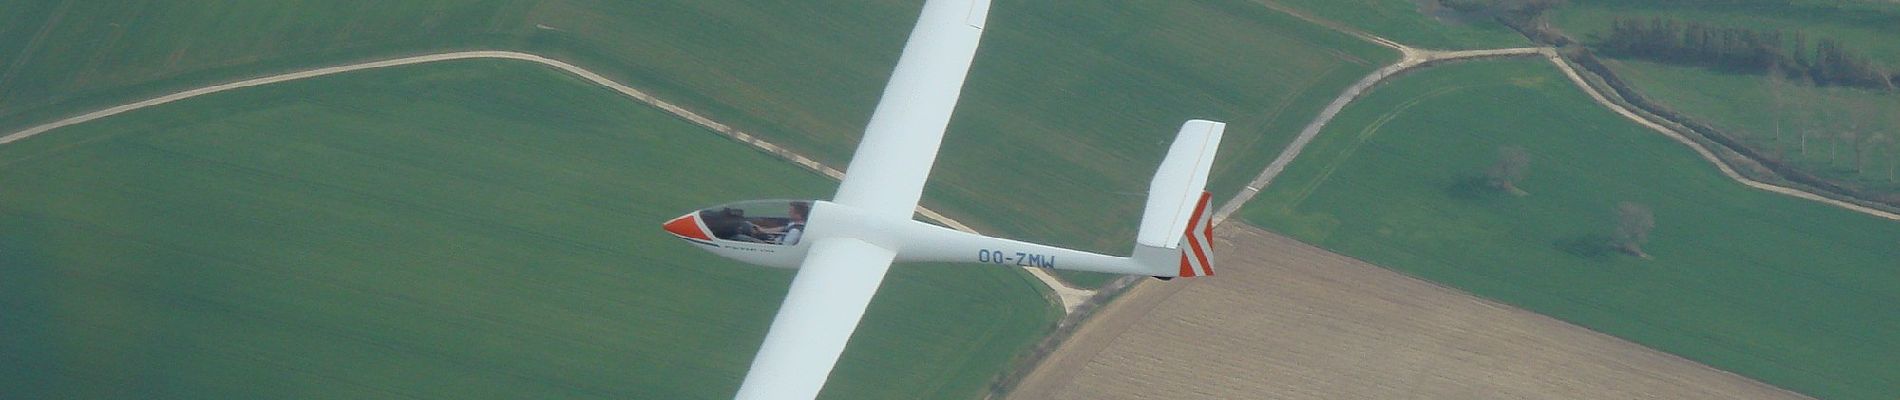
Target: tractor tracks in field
<point>1069,297</point>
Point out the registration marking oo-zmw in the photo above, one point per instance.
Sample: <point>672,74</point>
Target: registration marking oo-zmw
<point>1020,259</point>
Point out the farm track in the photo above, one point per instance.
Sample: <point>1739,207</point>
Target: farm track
<point>1106,330</point>
<point>1411,58</point>
<point>1069,297</point>
<point>1414,57</point>
<point>1111,356</point>
<point>1704,151</point>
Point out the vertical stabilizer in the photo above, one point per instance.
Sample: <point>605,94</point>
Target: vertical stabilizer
<point>1179,183</point>
<point>1176,233</point>
<point>1193,252</point>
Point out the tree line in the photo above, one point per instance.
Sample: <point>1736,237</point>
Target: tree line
<point>1504,8</point>
<point>1761,51</point>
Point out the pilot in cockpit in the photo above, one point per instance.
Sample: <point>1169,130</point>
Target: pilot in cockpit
<point>794,227</point>
<point>732,223</point>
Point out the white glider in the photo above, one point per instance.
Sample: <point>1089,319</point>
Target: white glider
<point>843,247</point>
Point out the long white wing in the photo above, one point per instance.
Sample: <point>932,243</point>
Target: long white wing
<point>886,178</point>
<point>823,307</point>
<point>886,175</point>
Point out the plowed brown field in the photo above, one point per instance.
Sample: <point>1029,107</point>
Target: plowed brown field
<point>1286,320</point>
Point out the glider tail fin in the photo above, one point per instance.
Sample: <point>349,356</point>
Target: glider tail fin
<point>1175,238</point>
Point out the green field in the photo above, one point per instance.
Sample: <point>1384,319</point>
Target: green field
<point>1412,24</point>
<point>1747,107</point>
<point>1060,127</point>
<point>60,57</point>
<point>1867,26</point>
<point>1791,292</point>
<point>1084,94</point>
<point>477,229</point>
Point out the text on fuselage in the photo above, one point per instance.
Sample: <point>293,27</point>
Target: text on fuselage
<point>1020,259</point>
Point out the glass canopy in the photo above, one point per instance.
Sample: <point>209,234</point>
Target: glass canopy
<point>780,222</point>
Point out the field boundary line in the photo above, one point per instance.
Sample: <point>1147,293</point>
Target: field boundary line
<point>1069,297</point>
<point>1701,150</point>
<point>1410,58</point>
<point>1413,58</point>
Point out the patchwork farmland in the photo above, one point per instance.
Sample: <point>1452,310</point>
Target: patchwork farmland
<point>1788,291</point>
<point>455,230</point>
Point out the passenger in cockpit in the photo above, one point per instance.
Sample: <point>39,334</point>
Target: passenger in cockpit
<point>726,223</point>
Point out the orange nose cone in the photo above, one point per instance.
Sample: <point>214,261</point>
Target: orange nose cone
<point>687,226</point>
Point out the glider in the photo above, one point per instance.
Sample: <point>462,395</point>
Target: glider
<point>843,247</point>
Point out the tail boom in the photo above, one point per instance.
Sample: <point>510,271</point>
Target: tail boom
<point>1175,238</point>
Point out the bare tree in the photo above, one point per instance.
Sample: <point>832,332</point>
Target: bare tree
<point>1778,89</point>
<point>1850,136</point>
<point>1835,124</point>
<point>1867,119</point>
<point>1890,127</point>
<point>1877,142</point>
<point>1813,116</point>
<point>1863,151</point>
<point>1633,223</point>
<point>1893,159</point>
<point>1513,162</point>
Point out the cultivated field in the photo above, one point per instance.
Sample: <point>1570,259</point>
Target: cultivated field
<point>1791,292</point>
<point>1065,101</point>
<point>460,230</point>
<point>1085,94</point>
<point>60,57</point>
<point>1286,320</point>
<point>1852,135</point>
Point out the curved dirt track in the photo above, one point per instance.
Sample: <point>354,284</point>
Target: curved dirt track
<point>1414,58</point>
<point>1700,150</point>
<point>1145,345</point>
<point>1145,304</point>
<point>1069,297</point>
<point>1411,57</point>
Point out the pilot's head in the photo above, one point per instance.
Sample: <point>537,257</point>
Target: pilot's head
<point>800,209</point>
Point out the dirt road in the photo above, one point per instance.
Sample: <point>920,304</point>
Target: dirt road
<point>1412,58</point>
<point>1302,322</point>
<point>1702,151</point>
<point>1286,320</point>
<point>1069,297</point>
